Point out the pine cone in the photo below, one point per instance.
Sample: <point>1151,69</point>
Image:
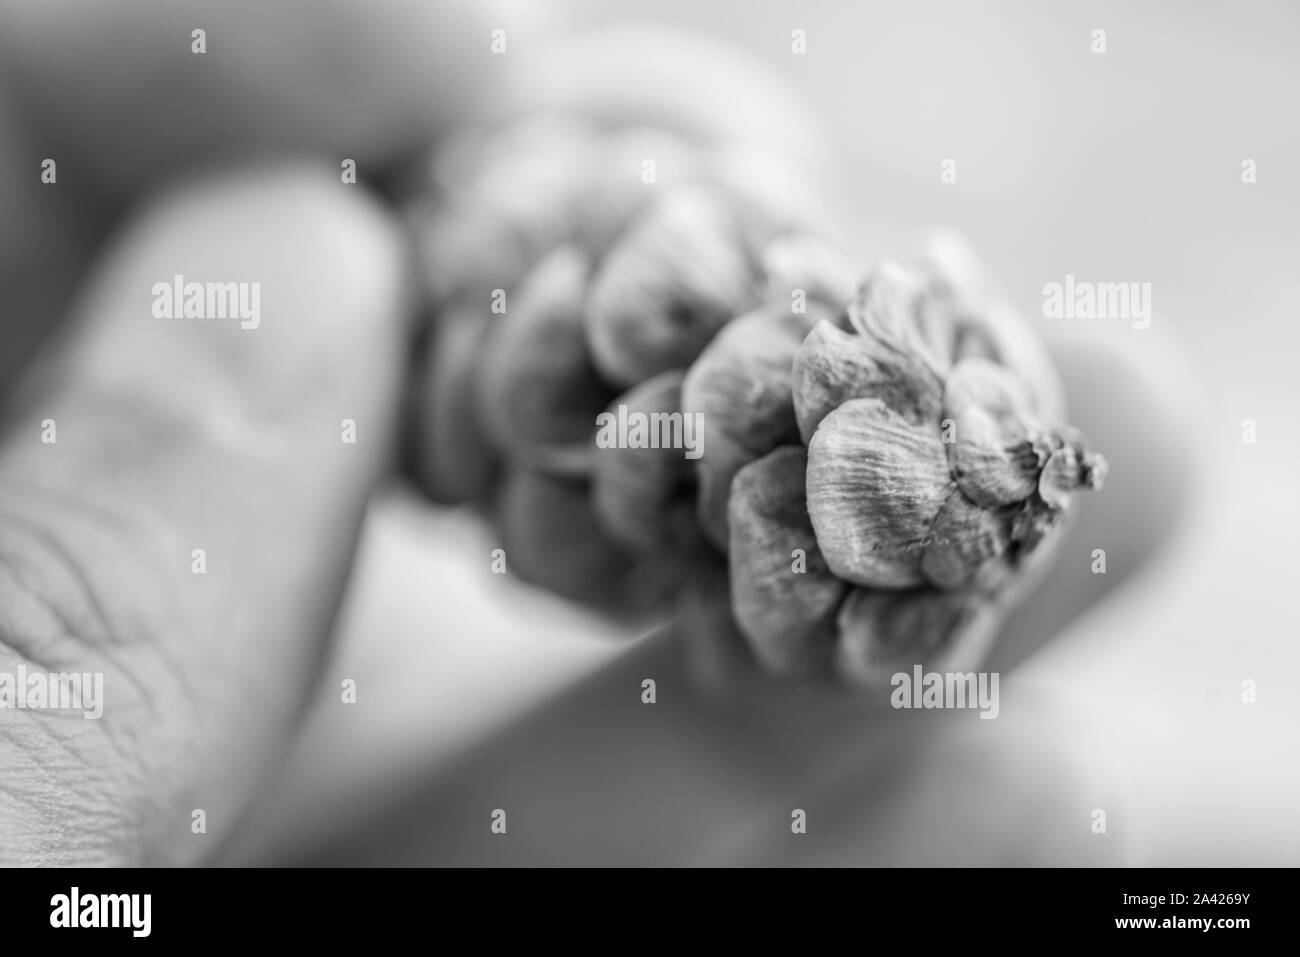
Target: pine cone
<point>881,479</point>
<point>929,480</point>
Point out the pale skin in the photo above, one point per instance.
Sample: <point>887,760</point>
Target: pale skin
<point>173,437</point>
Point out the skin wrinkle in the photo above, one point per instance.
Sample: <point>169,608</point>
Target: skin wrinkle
<point>72,786</point>
<point>113,790</point>
<point>95,633</point>
<point>148,714</point>
<point>144,533</point>
<point>125,531</point>
<point>95,626</point>
<point>65,816</point>
<point>9,628</point>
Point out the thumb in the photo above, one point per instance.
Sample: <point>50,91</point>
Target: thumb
<point>178,505</point>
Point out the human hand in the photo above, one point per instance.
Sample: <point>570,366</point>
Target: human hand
<point>134,444</point>
<point>226,441</point>
<point>135,441</point>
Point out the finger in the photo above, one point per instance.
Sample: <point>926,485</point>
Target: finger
<point>178,504</point>
<point>123,89</point>
<point>114,96</point>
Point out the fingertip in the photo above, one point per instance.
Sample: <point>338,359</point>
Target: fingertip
<point>322,263</point>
